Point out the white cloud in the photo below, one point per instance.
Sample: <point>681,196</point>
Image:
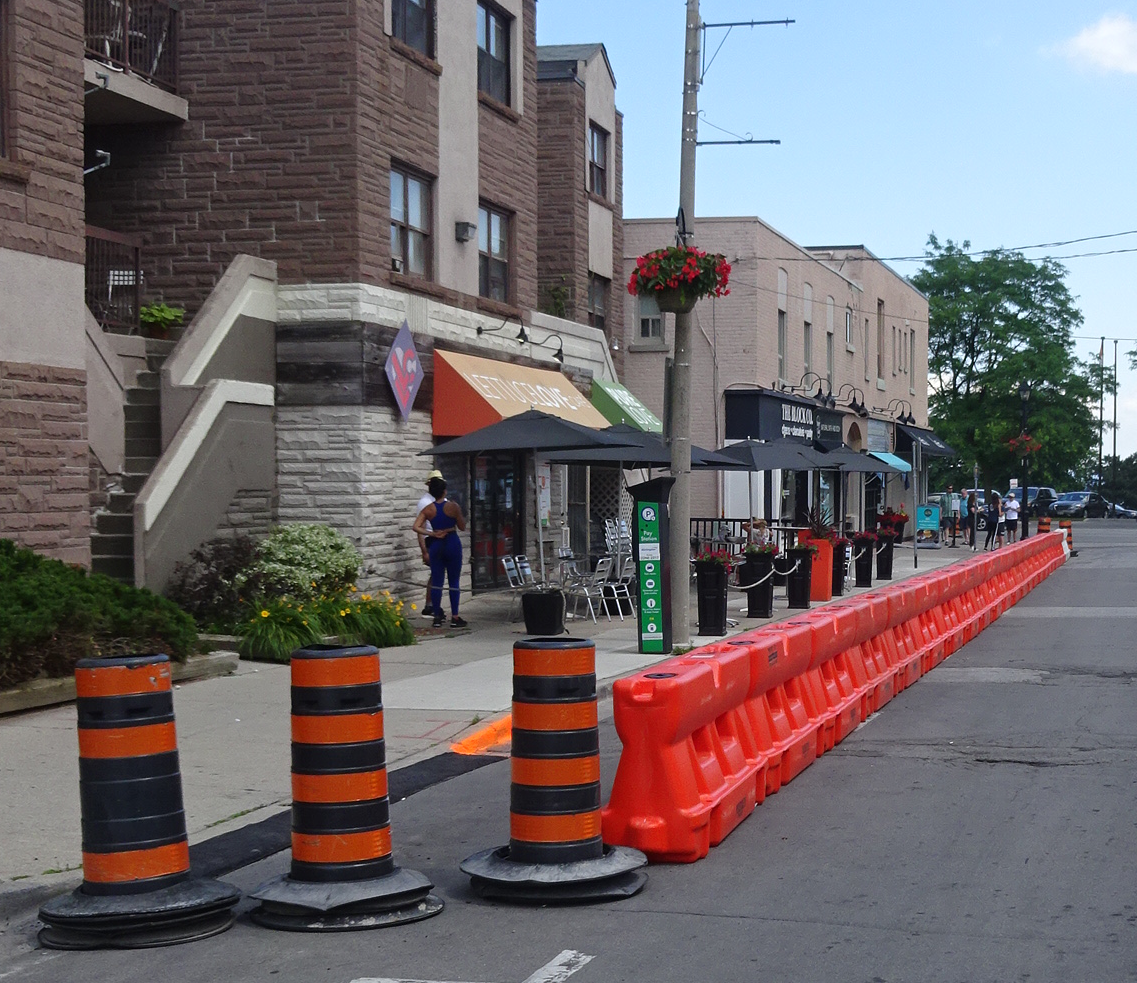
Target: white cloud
<point>1110,45</point>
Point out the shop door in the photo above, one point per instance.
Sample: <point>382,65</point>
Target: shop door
<point>496,517</point>
<point>578,508</point>
<point>874,498</point>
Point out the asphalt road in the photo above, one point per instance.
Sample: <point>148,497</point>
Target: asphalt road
<point>982,827</point>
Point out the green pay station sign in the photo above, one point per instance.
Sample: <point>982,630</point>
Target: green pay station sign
<point>651,577</point>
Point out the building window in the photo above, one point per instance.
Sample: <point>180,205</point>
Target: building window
<point>597,161</point>
<point>493,254</point>
<point>412,23</point>
<point>4,90</point>
<point>807,346</point>
<point>866,340</point>
<point>895,352</point>
<point>651,321</point>
<point>782,347</point>
<point>880,340</point>
<point>829,359</point>
<point>493,53</point>
<point>912,361</point>
<point>410,224</point>
<point>597,300</point>
<point>849,328</point>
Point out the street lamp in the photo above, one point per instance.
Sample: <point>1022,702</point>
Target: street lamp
<point>1024,400</point>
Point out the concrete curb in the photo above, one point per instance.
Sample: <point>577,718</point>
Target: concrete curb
<point>40,693</point>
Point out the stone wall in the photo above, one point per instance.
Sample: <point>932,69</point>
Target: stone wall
<point>44,467</point>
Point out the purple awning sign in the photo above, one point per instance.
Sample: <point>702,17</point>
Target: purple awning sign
<point>404,370</point>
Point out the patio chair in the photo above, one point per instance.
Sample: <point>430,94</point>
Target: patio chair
<point>590,589</point>
<point>513,578</point>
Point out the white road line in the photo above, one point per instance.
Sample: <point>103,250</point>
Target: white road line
<point>555,971</point>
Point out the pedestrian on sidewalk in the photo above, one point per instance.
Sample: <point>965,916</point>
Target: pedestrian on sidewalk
<point>426,499</point>
<point>444,548</point>
<point>994,522</point>
<point>1011,511</point>
<point>965,517</point>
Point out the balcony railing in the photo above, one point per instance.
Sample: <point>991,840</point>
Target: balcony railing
<point>138,36</point>
<point>114,280</point>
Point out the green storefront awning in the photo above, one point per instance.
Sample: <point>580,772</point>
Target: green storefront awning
<point>618,404</point>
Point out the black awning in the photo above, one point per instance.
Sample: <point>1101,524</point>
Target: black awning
<point>929,443</point>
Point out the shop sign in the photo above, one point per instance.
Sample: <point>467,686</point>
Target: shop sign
<point>829,429</point>
<point>878,436</point>
<point>404,370</point>
<point>928,526</point>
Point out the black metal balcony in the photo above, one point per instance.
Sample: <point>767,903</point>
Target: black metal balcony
<point>136,36</point>
<point>113,282</point>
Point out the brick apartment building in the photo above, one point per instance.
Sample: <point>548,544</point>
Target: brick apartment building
<point>797,321</point>
<point>302,179</point>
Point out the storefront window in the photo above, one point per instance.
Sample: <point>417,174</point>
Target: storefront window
<point>496,517</point>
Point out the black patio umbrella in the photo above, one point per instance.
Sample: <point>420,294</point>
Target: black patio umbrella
<point>847,459</point>
<point>531,431</point>
<point>773,455</point>
<point>643,450</point>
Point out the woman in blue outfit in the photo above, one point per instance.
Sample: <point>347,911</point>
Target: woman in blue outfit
<point>445,548</point>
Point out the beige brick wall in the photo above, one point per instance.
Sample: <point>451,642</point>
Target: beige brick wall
<point>44,467</point>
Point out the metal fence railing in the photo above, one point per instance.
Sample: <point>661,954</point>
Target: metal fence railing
<point>113,282</point>
<point>138,36</point>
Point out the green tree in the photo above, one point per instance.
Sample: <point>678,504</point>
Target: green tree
<point>998,321</point>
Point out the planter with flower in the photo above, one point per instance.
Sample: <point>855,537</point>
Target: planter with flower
<point>894,519</point>
<point>679,276</point>
<point>820,535</point>
<point>758,569</point>
<point>712,569</point>
<point>864,548</point>
<point>884,551</point>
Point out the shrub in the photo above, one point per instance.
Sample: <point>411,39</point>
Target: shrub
<point>305,561</point>
<point>52,614</point>
<point>280,626</point>
<point>213,583</point>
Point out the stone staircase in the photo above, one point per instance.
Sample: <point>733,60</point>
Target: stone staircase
<point>112,541</point>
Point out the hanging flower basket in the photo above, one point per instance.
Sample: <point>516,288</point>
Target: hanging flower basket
<point>679,276</point>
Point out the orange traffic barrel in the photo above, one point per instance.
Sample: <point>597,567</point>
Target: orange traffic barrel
<point>343,875</point>
<point>1044,523</point>
<point>555,851</point>
<point>136,886</point>
<point>1069,527</point>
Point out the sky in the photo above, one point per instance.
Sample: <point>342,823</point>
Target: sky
<point>1006,124</point>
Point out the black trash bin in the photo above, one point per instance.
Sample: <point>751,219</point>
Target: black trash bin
<point>544,611</point>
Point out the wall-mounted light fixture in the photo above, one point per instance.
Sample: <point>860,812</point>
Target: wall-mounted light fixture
<point>465,231</point>
<point>904,417</point>
<point>857,403</point>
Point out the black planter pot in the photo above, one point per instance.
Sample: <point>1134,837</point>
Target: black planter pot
<point>884,558</point>
<point>711,592</point>
<point>760,599</point>
<point>840,561</point>
<point>862,562</point>
<point>799,577</point>
<point>544,612</point>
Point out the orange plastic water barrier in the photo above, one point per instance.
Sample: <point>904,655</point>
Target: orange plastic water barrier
<point>708,735</point>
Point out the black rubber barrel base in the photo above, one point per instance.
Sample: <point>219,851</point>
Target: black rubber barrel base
<point>185,912</point>
<point>305,906</point>
<point>611,877</point>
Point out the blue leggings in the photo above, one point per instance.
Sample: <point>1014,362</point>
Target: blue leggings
<point>445,561</point>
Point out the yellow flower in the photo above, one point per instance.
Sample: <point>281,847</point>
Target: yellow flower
<point>303,622</point>
<point>343,614</point>
<point>313,583</point>
<point>354,589</point>
<point>366,597</point>
<point>264,614</point>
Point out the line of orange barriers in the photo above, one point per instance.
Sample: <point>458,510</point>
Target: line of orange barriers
<point>708,735</point>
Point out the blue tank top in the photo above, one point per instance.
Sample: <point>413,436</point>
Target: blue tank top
<point>441,521</point>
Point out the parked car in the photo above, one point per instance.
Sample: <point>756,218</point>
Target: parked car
<point>1079,505</point>
<point>1039,500</point>
<point>1116,510</point>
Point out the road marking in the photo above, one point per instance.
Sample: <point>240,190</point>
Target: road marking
<point>555,971</point>
<point>1035,612</point>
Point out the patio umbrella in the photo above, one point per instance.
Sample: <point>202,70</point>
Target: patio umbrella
<point>531,431</point>
<point>847,459</point>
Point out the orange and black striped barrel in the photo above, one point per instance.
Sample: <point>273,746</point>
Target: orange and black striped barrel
<point>554,800</point>
<point>341,828</point>
<point>1069,527</point>
<point>130,783</point>
<point>1044,523</point>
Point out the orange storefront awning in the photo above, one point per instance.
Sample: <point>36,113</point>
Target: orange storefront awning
<point>471,393</point>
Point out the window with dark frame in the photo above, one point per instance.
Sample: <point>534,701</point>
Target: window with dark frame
<point>412,22</point>
<point>597,160</point>
<point>598,300</point>
<point>410,223</point>
<point>493,53</point>
<point>781,347</point>
<point>493,254</point>
<point>4,12</point>
<point>880,349</point>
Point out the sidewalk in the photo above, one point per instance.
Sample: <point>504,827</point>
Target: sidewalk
<point>234,731</point>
